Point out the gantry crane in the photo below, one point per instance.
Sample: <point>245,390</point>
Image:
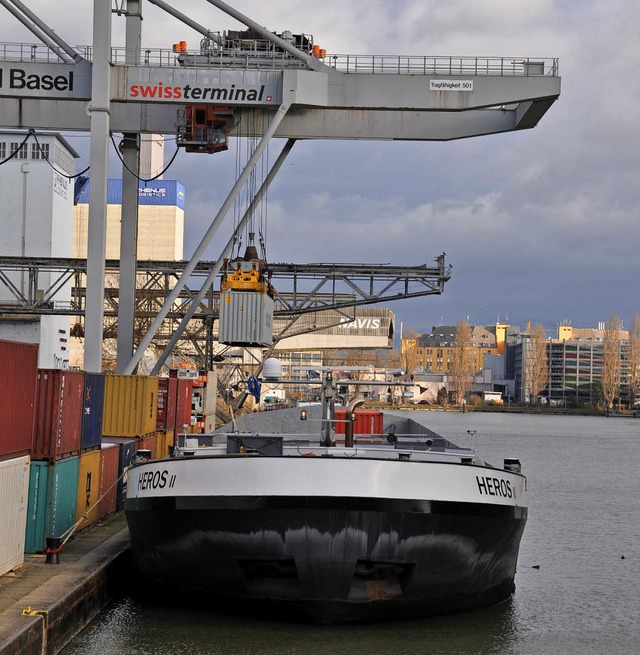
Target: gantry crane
<point>283,85</point>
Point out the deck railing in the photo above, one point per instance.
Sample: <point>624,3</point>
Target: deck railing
<point>274,59</point>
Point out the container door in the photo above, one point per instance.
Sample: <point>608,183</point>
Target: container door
<point>37,507</point>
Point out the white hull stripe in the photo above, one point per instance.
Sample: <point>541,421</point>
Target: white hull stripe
<point>256,476</point>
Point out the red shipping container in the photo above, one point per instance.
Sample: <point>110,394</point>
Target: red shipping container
<point>368,421</point>
<point>59,406</point>
<point>18,372</point>
<point>183,404</point>
<point>148,442</point>
<point>167,395</point>
<point>163,399</point>
<point>109,462</point>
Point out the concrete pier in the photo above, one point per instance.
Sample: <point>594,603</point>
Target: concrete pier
<point>44,606</point>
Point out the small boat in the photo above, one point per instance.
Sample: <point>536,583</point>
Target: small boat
<point>398,523</point>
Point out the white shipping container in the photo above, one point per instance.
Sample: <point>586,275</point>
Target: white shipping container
<point>246,318</point>
<point>14,495</point>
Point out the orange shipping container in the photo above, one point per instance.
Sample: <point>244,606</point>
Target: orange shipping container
<point>130,405</point>
<point>163,441</point>
<point>88,487</point>
<point>109,461</point>
<point>368,421</point>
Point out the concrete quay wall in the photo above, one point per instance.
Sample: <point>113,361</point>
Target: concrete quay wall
<point>67,602</point>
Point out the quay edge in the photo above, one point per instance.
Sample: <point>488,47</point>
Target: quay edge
<point>70,600</point>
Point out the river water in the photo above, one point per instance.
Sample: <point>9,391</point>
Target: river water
<point>578,580</point>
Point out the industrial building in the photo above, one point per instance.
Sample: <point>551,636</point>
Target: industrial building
<point>36,220</point>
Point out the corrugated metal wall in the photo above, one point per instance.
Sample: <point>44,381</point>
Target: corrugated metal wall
<point>14,493</point>
<point>18,370</point>
<point>130,405</point>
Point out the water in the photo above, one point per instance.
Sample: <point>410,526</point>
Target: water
<point>583,533</point>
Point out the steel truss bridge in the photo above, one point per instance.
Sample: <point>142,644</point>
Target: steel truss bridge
<point>310,288</point>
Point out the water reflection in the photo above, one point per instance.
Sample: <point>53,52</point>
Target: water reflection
<point>129,627</point>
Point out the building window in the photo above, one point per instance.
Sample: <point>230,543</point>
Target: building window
<point>3,150</point>
<point>40,151</point>
<point>21,150</point>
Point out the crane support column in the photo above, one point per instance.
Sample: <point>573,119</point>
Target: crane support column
<point>130,197</point>
<point>97,233</point>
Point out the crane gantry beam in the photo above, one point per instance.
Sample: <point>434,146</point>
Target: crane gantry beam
<point>299,288</point>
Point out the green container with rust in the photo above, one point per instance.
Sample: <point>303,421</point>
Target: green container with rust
<point>53,496</point>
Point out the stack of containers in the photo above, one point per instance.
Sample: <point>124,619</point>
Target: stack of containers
<point>55,450</point>
<point>90,468</point>
<point>166,418</point>
<point>129,420</point>
<point>18,373</point>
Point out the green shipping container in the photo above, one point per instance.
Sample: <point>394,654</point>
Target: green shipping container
<point>130,405</point>
<point>53,493</point>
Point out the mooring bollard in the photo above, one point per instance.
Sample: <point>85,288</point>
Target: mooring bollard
<point>53,546</point>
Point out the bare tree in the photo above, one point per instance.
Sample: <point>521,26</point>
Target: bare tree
<point>409,354</point>
<point>634,359</point>
<point>359,357</point>
<point>536,365</point>
<point>462,360</point>
<point>611,360</point>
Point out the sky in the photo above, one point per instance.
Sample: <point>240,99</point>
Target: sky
<point>538,225</point>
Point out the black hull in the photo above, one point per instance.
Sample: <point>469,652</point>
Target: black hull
<point>330,560</point>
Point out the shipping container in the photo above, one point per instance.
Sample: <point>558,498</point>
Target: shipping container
<point>246,318</point>
<point>130,405</point>
<point>184,395</point>
<point>14,494</point>
<point>148,442</point>
<point>126,453</point>
<point>368,421</point>
<point>164,440</point>
<point>109,460</point>
<point>167,396</point>
<point>18,373</point>
<point>58,421</point>
<point>92,405</point>
<point>53,493</point>
<point>88,488</point>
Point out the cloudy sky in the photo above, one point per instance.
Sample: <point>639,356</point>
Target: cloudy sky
<point>538,225</point>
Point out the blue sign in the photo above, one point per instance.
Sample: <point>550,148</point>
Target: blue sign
<point>154,192</point>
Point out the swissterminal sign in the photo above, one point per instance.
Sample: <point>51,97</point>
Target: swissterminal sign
<point>201,86</point>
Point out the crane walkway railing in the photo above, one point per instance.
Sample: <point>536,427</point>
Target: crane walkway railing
<point>275,59</point>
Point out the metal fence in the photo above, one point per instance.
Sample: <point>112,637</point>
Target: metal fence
<point>272,58</point>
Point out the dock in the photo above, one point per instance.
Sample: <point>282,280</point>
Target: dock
<point>44,606</point>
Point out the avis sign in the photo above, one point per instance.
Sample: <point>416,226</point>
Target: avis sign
<point>46,80</point>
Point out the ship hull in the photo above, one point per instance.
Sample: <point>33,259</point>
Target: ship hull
<point>329,559</point>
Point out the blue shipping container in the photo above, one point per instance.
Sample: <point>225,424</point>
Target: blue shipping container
<point>53,493</point>
<point>92,405</point>
<point>127,453</point>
